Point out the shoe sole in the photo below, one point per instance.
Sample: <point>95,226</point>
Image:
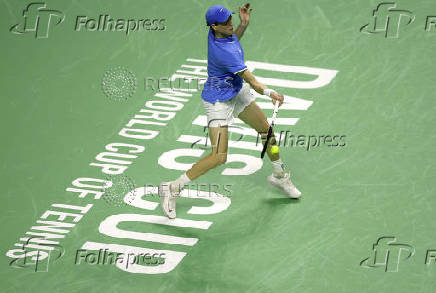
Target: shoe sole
<point>275,184</point>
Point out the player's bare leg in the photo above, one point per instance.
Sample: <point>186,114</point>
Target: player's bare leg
<point>169,191</point>
<point>219,141</point>
<point>253,116</point>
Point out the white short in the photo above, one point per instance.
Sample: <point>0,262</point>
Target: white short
<point>222,113</point>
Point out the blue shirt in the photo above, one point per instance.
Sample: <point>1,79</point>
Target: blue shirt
<point>225,58</point>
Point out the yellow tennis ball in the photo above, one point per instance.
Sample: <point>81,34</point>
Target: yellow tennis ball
<point>274,149</point>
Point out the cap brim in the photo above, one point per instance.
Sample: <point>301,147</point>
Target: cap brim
<point>227,16</point>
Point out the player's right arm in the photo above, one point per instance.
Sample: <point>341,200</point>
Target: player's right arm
<point>259,87</point>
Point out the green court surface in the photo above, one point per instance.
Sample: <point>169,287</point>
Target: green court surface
<point>70,85</point>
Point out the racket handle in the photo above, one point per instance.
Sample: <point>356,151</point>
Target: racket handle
<point>265,146</point>
<point>268,137</point>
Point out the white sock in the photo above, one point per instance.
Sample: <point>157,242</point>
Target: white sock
<point>278,168</point>
<point>178,184</point>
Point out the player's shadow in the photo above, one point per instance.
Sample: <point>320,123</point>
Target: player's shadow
<point>281,201</point>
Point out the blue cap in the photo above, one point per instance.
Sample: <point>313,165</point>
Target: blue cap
<point>217,13</point>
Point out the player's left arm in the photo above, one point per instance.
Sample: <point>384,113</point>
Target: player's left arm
<point>260,87</point>
<point>244,16</point>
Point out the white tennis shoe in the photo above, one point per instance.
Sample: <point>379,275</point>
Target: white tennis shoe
<point>168,199</point>
<point>285,184</point>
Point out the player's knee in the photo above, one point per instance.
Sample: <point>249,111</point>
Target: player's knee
<point>222,158</point>
<point>219,159</point>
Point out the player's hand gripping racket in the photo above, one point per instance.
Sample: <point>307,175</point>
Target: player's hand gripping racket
<point>270,129</point>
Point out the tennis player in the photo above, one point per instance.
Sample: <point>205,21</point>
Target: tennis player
<point>225,96</point>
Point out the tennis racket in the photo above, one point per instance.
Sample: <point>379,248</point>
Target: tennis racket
<point>270,129</point>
